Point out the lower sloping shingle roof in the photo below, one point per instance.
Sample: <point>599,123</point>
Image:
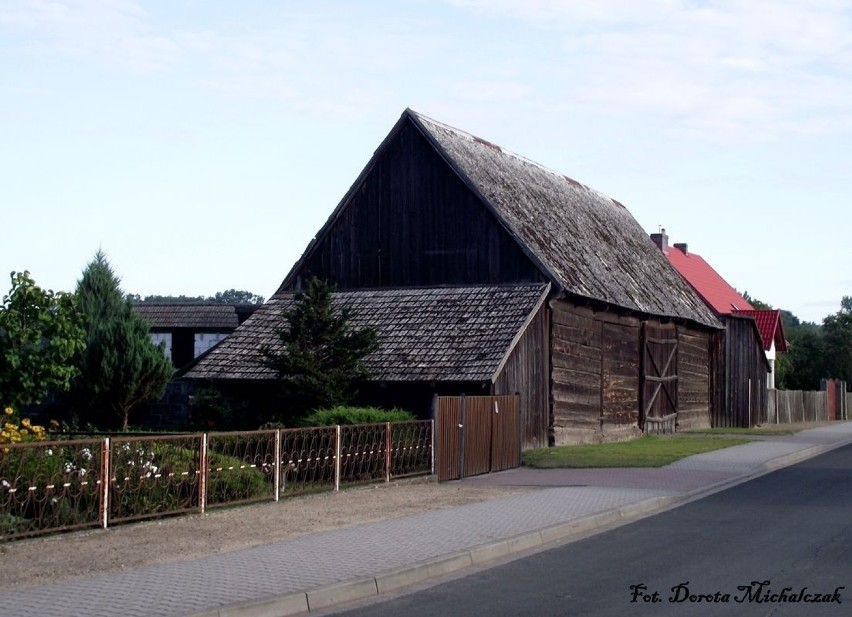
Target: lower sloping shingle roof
<point>425,334</point>
<point>199,316</point>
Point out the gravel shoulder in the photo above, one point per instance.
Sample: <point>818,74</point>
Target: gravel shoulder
<point>83,554</point>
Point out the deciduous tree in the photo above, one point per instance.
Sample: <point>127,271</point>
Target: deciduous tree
<point>40,331</point>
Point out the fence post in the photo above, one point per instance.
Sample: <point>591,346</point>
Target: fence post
<point>432,448</point>
<point>105,479</point>
<point>749,404</point>
<point>276,468</point>
<point>202,484</point>
<point>388,431</point>
<point>337,459</point>
<point>462,421</point>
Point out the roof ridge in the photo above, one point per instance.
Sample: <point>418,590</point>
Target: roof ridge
<point>510,153</point>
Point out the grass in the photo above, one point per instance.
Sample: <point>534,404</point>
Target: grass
<point>649,451</point>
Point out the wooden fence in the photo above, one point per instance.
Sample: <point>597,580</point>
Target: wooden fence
<point>476,435</point>
<point>786,406</point>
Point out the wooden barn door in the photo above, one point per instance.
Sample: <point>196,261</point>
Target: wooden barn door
<point>659,378</point>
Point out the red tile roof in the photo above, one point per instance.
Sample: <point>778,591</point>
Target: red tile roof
<point>770,327</point>
<point>712,288</point>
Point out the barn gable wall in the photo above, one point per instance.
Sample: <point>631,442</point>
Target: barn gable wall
<point>411,221</point>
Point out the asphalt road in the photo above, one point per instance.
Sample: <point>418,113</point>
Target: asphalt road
<point>762,548</point>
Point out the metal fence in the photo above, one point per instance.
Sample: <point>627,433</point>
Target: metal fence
<point>61,485</point>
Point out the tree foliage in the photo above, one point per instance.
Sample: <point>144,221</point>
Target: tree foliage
<point>757,304</point>
<point>803,365</point>
<point>40,331</point>
<point>230,296</point>
<point>120,366</point>
<point>837,334</point>
<point>319,362</point>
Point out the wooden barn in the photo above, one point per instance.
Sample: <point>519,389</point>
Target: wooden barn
<point>743,354</point>
<point>615,343</point>
<point>189,329</point>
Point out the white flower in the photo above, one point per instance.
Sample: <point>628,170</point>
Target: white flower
<point>86,454</point>
<point>69,467</point>
<point>48,452</point>
<point>5,484</point>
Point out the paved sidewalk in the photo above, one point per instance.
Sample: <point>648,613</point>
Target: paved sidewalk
<point>329,568</point>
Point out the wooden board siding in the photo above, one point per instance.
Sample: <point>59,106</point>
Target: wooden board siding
<point>742,375</point>
<point>620,379</point>
<point>693,379</point>
<point>594,374</point>
<point>412,222</point>
<point>527,372</point>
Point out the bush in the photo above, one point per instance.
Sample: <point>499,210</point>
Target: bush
<point>356,415</point>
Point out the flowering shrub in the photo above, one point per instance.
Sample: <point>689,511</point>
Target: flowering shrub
<point>16,432</point>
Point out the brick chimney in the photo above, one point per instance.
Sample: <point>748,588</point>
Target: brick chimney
<point>682,247</point>
<point>661,240</point>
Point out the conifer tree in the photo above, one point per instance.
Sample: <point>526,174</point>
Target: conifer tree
<point>120,366</point>
<point>319,362</point>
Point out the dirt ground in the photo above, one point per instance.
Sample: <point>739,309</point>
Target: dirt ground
<point>62,557</point>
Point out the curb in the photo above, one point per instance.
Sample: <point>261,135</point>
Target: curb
<point>328,596</point>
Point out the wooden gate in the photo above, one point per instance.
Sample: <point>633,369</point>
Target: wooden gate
<point>659,379</point>
<point>476,435</point>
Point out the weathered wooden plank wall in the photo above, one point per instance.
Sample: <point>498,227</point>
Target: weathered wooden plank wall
<point>620,367</point>
<point>745,373</point>
<point>412,221</point>
<point>595,374</point>
<point>527,373</point>
<point>576,372</point>
<point>693,379</point>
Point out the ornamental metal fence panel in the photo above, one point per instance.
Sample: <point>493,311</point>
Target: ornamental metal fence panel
<point>154,476</point>
<point>241,467</point>
<point>51,485</point>
<point>69,484</point>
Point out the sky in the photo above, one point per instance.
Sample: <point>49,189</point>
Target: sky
<point>202,144</point>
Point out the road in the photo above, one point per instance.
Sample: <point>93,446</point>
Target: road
<point>765,547</point>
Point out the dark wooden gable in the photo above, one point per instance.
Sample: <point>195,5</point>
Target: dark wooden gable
<point>409,220</point>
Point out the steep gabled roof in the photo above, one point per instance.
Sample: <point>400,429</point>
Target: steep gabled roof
<point>708,283</point>
<point>425,334</point>
<point>199,316</point>
<point>585,243</point>
<point>589,244</point>
<point>769,325</point>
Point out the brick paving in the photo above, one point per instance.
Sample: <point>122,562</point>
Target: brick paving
<point>313,561</point>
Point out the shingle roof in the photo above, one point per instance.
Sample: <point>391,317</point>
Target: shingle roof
<point>587,243</point>
<point>434,334</point>
<point>709,284</point>
<point>170,315</point>
<point>770,326</point>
